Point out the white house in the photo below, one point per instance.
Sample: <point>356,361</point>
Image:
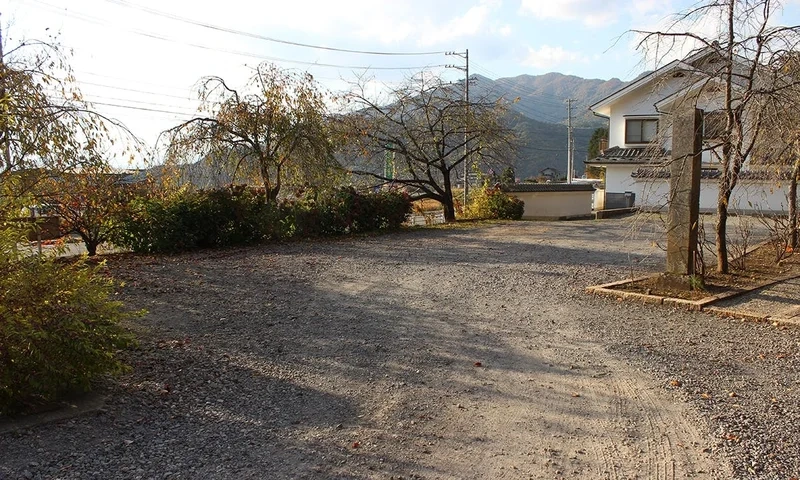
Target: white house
<point>640,129</point>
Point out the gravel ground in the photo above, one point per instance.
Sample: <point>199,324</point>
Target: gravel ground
<point>781,300</point>
<point>462,353</point>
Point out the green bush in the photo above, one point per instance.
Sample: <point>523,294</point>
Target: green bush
<point>237,216</point>
<point>59,330</point>
<point>191,219</point>
<point>490,202</point>
<point>345,211</point>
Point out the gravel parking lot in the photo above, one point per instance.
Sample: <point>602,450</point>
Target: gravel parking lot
<point>464,353</point>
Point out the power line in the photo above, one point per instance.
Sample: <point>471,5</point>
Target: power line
<point>145,109</point>
<point>556,150</point>
<point>497,79</point>
<point>89,98</point>
<point>103,23</point>
<point>130,80</point>
<point>159,13</point>
<point>129,100</point>
<point>134,90</point>
<point>533,97</point>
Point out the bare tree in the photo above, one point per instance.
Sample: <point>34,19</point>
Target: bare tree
<point>740,66</point>
<point>781,151</point>
<point>274,129</point>
<point>428,130</point>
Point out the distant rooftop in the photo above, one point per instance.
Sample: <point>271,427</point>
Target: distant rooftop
<point>630,155</point>
<point>549,187</point>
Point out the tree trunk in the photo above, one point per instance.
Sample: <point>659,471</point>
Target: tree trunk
<point>270,191</point>
<point>726,183</point>
<point>272,194</point>
<point>793,206</point>
<point>449,204</point>
<point>722,226</point>
<point>449,210</point>
<point>91,246</point>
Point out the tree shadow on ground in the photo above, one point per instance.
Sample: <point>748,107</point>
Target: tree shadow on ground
<point>310,361</point>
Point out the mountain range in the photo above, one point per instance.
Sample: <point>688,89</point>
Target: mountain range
<point>539,114</point>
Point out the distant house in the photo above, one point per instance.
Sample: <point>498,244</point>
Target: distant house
<point>640,139</point>
<point>550,173</point>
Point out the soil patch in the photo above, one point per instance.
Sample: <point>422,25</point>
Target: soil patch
<point>757,268</point>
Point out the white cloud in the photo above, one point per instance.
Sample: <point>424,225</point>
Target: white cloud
<point>421,21</point>
<point>656,51</point>
<point>472,22</point>
<point>592,13</point>
<point>598,13</point>
<point>547,57</point>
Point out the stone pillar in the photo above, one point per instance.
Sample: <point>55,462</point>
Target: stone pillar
<point>684,191</point>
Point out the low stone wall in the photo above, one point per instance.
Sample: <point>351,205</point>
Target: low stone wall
<point>554,201</point>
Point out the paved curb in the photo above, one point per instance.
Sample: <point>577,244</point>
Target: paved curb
<point>704,304</point>
<point>91,402</point>
<point>756,317</point>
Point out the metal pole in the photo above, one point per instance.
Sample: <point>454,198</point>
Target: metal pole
<point>569,140</point>
<point>465,56</point>
<point>466,132</point>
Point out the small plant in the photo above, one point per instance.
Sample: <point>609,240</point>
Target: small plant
<point>491,203</point>
<point>59,331</point>
<point>780,233</point>
<point>739,245</point>
<point>697,282</point>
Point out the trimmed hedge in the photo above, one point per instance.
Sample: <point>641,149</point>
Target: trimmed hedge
<point>190,219</point>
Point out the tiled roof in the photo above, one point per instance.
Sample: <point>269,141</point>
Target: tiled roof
<point>645,172</point>
<point>549,187</point>
<point>631,155</point>
<point>713,173</point>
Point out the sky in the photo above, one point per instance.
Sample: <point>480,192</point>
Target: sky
<point>139,61</point>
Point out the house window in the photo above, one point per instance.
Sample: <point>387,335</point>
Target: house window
<point>641,130</point>
<point>714,124</point>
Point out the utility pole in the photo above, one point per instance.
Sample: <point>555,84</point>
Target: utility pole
<point>465,69</point>
<point>570,141</point>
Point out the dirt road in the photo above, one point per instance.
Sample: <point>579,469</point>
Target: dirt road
<point>439,354</point>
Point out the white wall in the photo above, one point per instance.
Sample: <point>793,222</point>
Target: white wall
<point>748,196</point>
<point>618,178</point>
<point>599,199</point>
<point>639,102</point>
<point>642,102</point>
<point>555,205</point>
